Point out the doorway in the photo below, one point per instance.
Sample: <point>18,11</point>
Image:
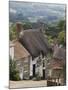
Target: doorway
<point>33,70</point>
<point>43,73</point>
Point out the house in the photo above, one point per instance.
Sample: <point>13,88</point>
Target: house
<point>57,64</point>
<point>22,58</point>
<point>30,51</point>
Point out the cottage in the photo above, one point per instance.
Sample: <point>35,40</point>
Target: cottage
<point>31,50</point>
<point>22,58</point>
<point>57,64</point>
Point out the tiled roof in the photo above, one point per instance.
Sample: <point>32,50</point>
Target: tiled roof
<point>19,50</point>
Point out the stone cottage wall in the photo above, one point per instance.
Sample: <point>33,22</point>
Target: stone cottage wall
<point>26,68</point>
<point>23,65</point>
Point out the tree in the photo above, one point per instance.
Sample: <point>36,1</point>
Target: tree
<point>27,25</point>
<point>61,25</point>
<point>61,37</point>
<point>50,40</point>
<point>14,73</point>
<point>12,32</point>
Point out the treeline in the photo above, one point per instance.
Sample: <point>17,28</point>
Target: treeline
<point>57,32</point>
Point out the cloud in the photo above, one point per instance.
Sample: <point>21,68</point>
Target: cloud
<point>12,10</point>
<point>40,9</point>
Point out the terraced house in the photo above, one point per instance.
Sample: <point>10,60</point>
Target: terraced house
<point>29,51</point>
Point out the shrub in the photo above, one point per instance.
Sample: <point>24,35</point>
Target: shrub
<point>14,73</point>
<point>38,77</point>
<point>16,77</point>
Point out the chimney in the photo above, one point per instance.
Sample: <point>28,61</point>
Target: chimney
<point>19,29</point>
<point>41,26</point>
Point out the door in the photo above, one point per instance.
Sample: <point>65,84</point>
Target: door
<point>44,74</point>
<point>34,70</point>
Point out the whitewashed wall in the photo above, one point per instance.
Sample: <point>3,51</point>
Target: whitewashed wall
<point>36,69</point>
<point>12,52</point>
<point>31,67</point>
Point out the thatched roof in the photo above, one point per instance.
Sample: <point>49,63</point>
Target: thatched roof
<point>35,42</point>
<point>56,64</point>
<point>19,51</point>
<point>59,58</point>
<point>59,53</point>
